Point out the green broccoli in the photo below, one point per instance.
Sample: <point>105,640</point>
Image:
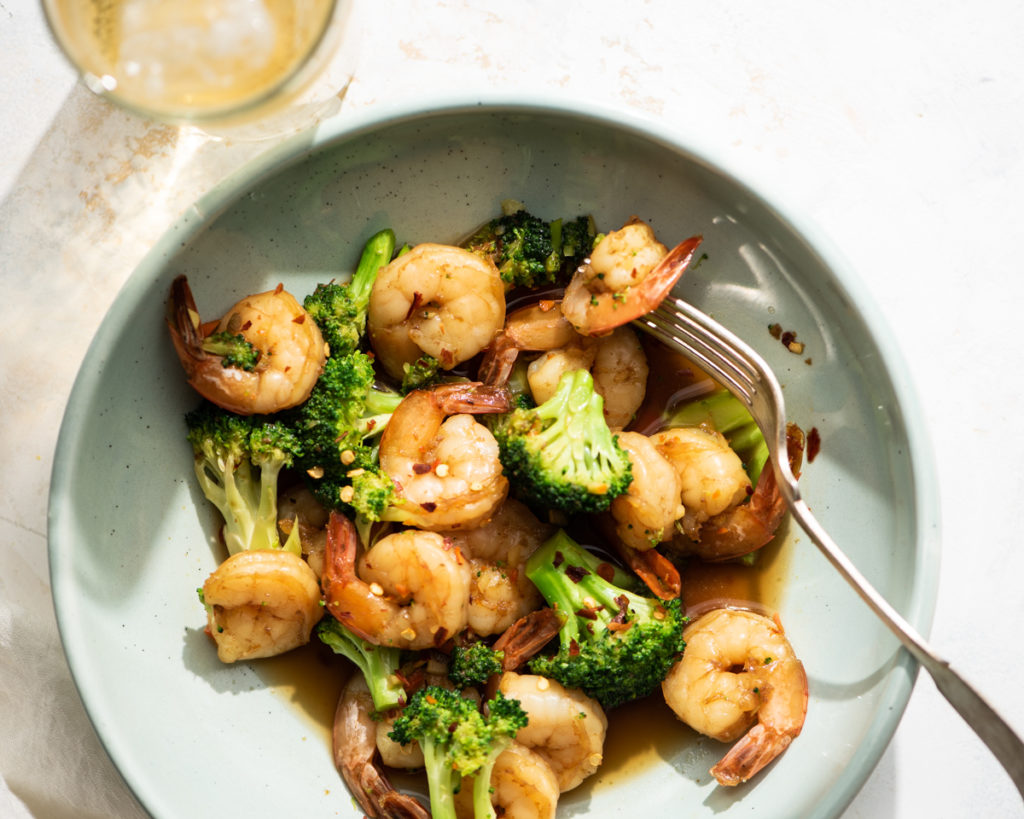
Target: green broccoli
<point>338,426</point>
<point>238,461</point>
<point>520,246</point>
<point>472,665</point>
<point>235,350</point>
<point>340,309</point>
<point>421,373</point>
<point>614,644</point>
<point>561,453</point>
<point>379,664</point>
<point>458,740</point>
<point>725,413</point>
<point>574,239</point>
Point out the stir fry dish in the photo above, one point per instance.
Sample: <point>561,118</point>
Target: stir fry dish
<point>447,466</point>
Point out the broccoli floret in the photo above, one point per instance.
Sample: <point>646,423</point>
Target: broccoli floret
<point>238,461</point>
<point>234,348</point>
<point>561,453</point>
<point>379,664</point>
<point>614,644</point>
<point>338,426</point>
<point>472,665</point>
<point>421,373</point>
<point>340,309</point>
<point>725,413</point>
<point>458,740</point>
<point>575,239</point>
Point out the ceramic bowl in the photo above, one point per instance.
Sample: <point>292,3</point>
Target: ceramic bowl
<point>131,537</point>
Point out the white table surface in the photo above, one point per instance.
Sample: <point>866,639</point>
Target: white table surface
<point>896,127</point>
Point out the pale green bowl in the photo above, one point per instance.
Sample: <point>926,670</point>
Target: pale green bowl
<point>131,538</point>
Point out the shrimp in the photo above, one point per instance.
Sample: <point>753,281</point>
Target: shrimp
<point>628,274</point>
<point>739,669</point>
<point>261,603</point>
<point>297,506</point>
<point>411,591</point>
<point>617,361</point>
<point>500,592</point>
<point>742,529</point>
<point>523,786</point>
<point>437,300</point>
<point>447,471</point>
<point>711,474</point>
<point>566,727</point>
<point>290,346</point>
<point>355,756</point>
<point>646,514</point>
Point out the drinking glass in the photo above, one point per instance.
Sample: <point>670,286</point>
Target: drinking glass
<point>247,68</point>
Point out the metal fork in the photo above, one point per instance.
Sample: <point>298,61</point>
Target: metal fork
<point>739,368</point>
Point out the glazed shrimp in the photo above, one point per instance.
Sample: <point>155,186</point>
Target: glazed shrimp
<point>523,786</point>
<point>746,527</point>
<point>411,590</point>
<point>354,743</point>
<point>500,592</point>
<point>646,514</point>
<point>739,679</point>
<point>566,727</point>
<point>711,474</point>
<point>291,351</point>
<point>436,300</point>
<point>628,274</point>
<point>447,471</point>
<point>261,603</point>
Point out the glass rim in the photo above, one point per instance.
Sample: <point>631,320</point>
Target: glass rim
<point>293,79</point>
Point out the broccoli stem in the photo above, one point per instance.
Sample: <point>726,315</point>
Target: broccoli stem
<point>441,780</point>
<point>378,664</point>
<point>482,807</point>
<point>376,253</point>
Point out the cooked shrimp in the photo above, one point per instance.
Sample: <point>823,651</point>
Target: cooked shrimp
<point>646,514</point>
<point>617,361</point>
<point>296,506</point>
<point>447,471</point>
<point>566,727</point>
<point>355,757</point>
<point>739,669</point>
<point>628,274</point>
<point>523,786</point>
<point>439,300</point>
<point>290,346</point>
<point>711,474</point>
<point>411,590</point>
<point>746,527</point>
<point>500,592</point>
<point>261,603</point>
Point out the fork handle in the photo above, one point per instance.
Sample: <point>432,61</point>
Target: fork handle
<point>979,715</point>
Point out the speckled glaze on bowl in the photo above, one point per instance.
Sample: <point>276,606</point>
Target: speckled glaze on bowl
<point>131,538</point>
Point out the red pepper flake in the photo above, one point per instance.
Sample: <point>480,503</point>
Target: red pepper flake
<point>576,573</point>
<point>421,469</point>
<point>606,572</point>
<point>574,648</point>
<point>429,506</point>
<point>616,626</point>
<point>278,290</point>
<point>300,319</point>
<point>417,300</point>
<point>370,424</point>
<point>440,637</point>
<point>588,614</point>
<point>557,561</point>
<point>813,444</point>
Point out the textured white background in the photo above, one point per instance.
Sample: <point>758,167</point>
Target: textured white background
<point>896,127</point>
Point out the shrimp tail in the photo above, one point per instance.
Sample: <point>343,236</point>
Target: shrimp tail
<point>658,572</point>
<point>527,636</point>
<point>183,322</point>
<point>340,571</point>
<point>759,746</point>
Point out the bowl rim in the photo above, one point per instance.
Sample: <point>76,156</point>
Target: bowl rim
<point>348,125</point>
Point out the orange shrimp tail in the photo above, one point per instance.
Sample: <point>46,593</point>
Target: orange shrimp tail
<point>657,571</point>
<point>526,637</point>
<point>472,398</point>
<point>748,756</point>
<point>183,323</point>
<point>340,571</point>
